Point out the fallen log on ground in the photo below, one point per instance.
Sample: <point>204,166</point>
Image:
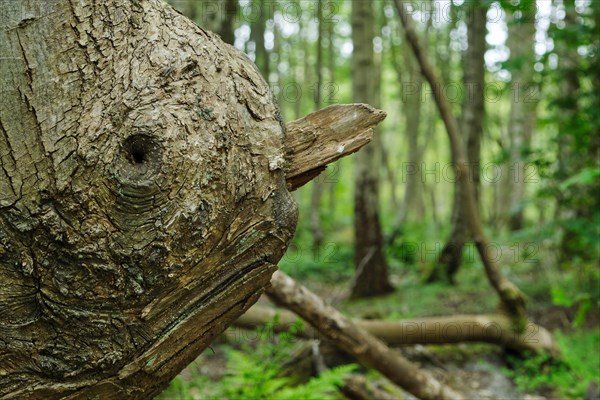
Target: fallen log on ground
<point>489,328</point>
<point>356,341</point>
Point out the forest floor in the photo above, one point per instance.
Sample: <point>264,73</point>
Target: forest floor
<point>481,371</point>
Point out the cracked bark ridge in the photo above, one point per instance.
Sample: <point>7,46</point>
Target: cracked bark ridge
<point>143,201</point>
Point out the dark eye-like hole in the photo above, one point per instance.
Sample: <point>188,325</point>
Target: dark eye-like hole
<point>138,154</point>
<point>137,148</point>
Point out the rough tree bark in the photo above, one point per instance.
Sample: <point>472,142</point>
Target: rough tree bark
<point>144,193</point>
<point>371,277</point>
<point>144,203</point>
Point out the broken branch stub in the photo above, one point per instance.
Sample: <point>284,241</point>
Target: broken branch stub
<point>324,136</point>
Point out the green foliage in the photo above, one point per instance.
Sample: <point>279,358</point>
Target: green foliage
<point>586,176</point>
<point>254,372</point>
<point>570,377</point>
<point>574,167</point>
<point>331,262</point>
<point>578,286</point>
<point>250,376</point>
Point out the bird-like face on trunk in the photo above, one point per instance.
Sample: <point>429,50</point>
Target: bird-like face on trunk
<point>169,196</point>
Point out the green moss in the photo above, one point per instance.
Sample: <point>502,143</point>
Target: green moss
<point>569,377</point>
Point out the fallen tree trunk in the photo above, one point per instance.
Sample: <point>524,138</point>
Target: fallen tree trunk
<point>356,341</point>
<point>494,329</point>
<point>143,194</point>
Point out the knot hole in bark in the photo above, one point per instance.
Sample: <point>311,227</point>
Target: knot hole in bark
<point>139,159</point>
<point>138,148</point>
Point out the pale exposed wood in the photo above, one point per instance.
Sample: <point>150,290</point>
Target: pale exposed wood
<point>490,328</point>
<point>356,341</point>
<point>324,136</point>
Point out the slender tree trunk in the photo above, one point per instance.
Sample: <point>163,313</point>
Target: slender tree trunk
<point>296,68</point>
<point>209,13</point>
<point>257,35</point>
<point>318,184</point>
<point>217,17</point>
<point>413,198</point>
<point>512,299</point>
<point>472,129</point>
<point>521,37</point>
<point>502,188</point>
<point>413,203</point>
<point>188,8</point>
<point>227,28</point>
<point>371,276</point>
<point>331,97</point>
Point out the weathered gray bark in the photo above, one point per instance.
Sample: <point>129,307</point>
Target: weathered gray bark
<point>371,276</point>
<point>143,195</point>
<point>325,136</point>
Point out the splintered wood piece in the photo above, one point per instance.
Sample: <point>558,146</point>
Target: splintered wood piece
<point>326,135</point>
